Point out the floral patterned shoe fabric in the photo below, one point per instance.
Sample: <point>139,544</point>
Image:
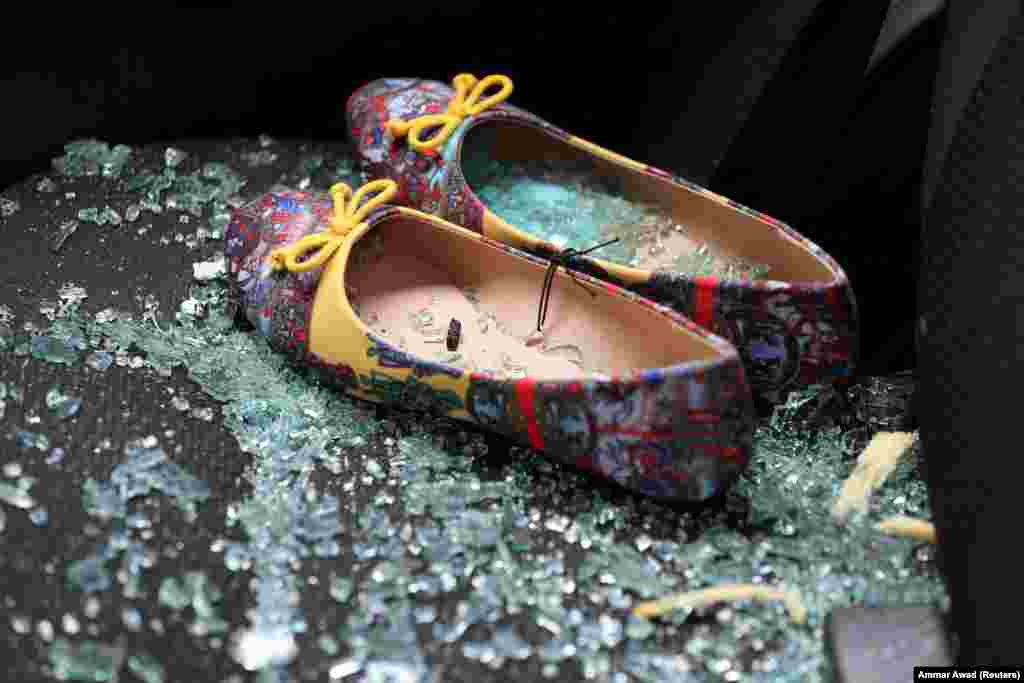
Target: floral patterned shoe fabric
<point>797,326</point>
<point>303,264</point>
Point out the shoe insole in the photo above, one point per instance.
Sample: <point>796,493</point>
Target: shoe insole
<point>410,301</point>
<point>408,280</point>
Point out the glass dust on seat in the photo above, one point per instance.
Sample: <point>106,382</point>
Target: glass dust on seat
<point>566,204</point>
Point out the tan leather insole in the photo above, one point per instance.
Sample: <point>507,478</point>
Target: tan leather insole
<point>726,231</point>
<point>408,279</point>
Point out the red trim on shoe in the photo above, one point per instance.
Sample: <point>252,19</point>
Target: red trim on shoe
<point>704,301</point>
<point>524,394</point>
<point>832,297</point>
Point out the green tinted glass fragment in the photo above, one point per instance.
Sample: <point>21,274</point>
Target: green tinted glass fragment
<point>26,440</point>
<point>147,668</point>
<point>85,661</point>
<point>53,350</point>
<point>89,575</point>
<point>174,594</point>
<point>16,496</point>
<point>61,405</point>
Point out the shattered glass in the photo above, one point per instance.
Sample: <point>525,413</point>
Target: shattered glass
<point>209,270</point>
<point>63,406</point>
<point>174,156</point>
<point>146,668</point>
<point>567,205</point>
<point>103,216</point>
<point>39,517</point>
<point>264,157</point>
<point>65,230</point>
<point>99,360</point>
<point>92,157</point>
<point>84,661</point>
<point>54,350</point>
<point>194,591</point>
<point>144,471</point>
<point>25,440</point>
<point>8,207</point>
<point>17,495</point>
<point>433,550</point>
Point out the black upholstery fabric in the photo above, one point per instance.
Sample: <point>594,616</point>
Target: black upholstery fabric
<point>970,335</point>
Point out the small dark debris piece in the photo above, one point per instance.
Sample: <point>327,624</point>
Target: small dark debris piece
<point>454,335</point>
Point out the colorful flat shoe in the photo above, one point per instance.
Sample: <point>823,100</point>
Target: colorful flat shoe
<point>397,306</point>
<point>457,153</point>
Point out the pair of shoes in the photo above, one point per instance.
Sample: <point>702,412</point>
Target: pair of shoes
<point>410,291</point>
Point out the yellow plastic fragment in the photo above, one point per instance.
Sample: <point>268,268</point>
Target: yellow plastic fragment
<point>726,593</point>
<point>908,527</point>
<point>874,466</point>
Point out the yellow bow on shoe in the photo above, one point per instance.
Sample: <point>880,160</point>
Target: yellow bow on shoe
<point>348,215</point>
<point>466,102</point>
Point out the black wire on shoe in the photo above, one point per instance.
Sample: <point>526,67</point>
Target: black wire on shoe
<point>564,259</point>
